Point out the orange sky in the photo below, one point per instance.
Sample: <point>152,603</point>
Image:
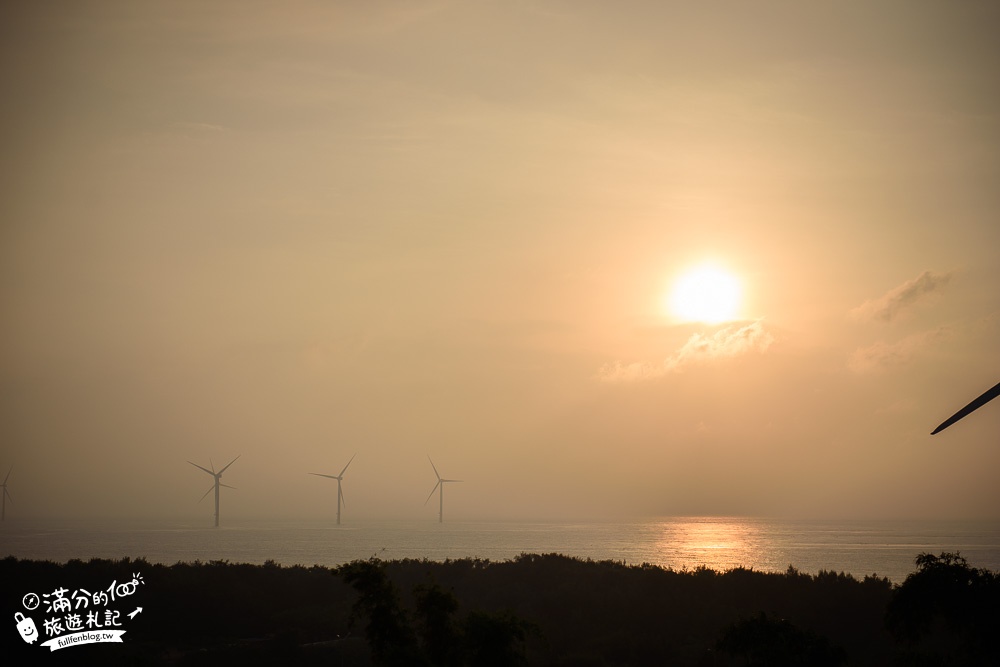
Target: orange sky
<point>301,231</point>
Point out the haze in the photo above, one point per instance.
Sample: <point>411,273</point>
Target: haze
<point>299,231</point>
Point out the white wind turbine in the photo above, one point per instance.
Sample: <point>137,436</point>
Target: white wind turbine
<point>218,483</point>
<point>439,487</point>
<point>6,495</point>
<point>340,492</point>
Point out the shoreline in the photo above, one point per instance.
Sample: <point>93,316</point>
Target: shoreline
<point>860,548</point>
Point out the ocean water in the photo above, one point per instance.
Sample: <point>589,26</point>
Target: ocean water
<point>885,548</point>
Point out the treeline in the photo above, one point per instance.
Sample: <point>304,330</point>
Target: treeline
<point>545,610</point>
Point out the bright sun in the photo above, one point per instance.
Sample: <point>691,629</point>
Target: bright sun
<point>706,294</point>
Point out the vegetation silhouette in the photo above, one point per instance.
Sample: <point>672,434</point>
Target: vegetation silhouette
<point>536,609</point>
<point>390,637</point>
<point>766,642</point>
<point>946,613</point>
<point>481,639</point>
<point>437,629</point>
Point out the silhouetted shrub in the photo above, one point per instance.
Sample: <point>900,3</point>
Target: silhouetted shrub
<point>946,613</point>
<point>767,642</point>
<point>482,639</point>
<point>587,613</point>
<point>495,640</point>
<point>388,630</point>
<point>435,611</point>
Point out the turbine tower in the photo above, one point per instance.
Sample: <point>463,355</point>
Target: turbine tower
<point>439,487</point>
<point>340,492</point>
<point>218,483</point>
<point>5,496</point>
<point>977,403</point>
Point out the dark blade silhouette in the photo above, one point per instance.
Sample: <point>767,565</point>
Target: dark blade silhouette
<point>982,400</point>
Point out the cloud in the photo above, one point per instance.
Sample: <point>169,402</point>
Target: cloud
<point>731,341</point>
<point>882,356</point>
<point>901,298</point>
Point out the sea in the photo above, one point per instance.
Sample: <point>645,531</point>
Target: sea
<point>858,548</point>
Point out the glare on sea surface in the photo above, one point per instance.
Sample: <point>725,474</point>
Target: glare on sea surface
<point>714,542</point>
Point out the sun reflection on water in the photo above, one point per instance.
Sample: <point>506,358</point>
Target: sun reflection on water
<point>720,543</point>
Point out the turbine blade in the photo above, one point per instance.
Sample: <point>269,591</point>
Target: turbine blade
<point>452,480</point>
<point>979,402</point>
<point>8,475</point>
<point>229,464</point>
<point>345,467</point>
<point>226,485</point>
<point>432,492</point>
<point>435,469</point>
<point>318,474</point>
<point>343,500</point>
<point>7,493</point>
<point>205,469</point>
<point>210,489</point>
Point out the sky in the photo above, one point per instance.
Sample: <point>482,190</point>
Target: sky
<point>298,232</point>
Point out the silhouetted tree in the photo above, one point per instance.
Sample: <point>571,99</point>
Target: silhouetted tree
<point>388,631</point>
<point>591,613</point>
<point>435,611</point>
<point>481,640</point>
<point>777,643</point>
<point>495,640</point>
<point>946,613</point>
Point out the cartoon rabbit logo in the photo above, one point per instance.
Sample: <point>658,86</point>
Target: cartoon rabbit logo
<point>26,627</point>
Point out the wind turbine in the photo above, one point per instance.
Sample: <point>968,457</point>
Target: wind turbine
<point>340,492</point>
<point>218,483</point>
<point>6,495</point>
<point>440,485</point>
<point>979,402</point>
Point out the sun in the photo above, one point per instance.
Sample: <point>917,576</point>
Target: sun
<point>706,293</point>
